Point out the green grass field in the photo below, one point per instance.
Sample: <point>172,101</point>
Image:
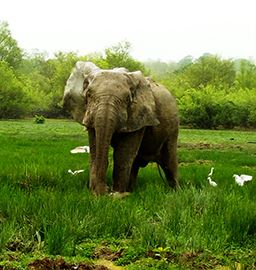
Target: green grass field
<point>45,211</point>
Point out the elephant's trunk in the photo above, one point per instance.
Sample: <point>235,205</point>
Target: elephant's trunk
<point>105,124</point>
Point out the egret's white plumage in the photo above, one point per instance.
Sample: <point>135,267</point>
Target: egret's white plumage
<point>80,149</point>
<point>212,183</point>
<point>241,179</point>
<point>75,172</point>
<point>211,172</point>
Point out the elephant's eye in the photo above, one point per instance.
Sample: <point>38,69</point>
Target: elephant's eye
<point>88,93</point>
<point>129,99</point>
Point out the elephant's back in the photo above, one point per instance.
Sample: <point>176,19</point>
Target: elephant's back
<point>166,107</point>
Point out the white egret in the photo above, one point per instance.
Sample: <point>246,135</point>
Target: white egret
<point>211,172</point>
<point>80,149</point>
<point>75,172</point>
<point>241,179</point>
<point>212,183</point>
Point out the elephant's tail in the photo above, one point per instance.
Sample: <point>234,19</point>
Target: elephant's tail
<point>160,172</point>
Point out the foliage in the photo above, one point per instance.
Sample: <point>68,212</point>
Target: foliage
<point>39,119</point>
<point>13,99</point>
<point>210,70</point>
<point>119,56</point>
<point>246,76</point>
<point>9,50</point>
<point>211,108</point>
<point>159,68</point>
<point>213,93</point>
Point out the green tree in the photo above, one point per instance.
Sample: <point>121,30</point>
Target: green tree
<point>119,56</point>
<point>160,69</point>
<point>9,50</point>
<point>13,99</point>
<point>36,75</point>
<point>210,70</point>
<point>44,80</point>
<point>246,76</point>
<point>184,63</point>
<point>62,63</point>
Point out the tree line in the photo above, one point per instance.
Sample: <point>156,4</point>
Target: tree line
<point>211,92</point>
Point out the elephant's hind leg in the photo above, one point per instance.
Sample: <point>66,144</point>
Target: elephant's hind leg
<point>169,163</point>
<point>133,175</point>
<point>125,151</point>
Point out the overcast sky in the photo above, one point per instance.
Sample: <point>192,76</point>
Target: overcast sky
<point>157,29</point>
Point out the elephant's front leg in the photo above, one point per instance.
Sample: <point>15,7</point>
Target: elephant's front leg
<point>92,144</point>
<point>126,148</point>
<point>96,186</point>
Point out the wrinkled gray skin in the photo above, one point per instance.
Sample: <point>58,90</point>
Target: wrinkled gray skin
<point>133,114</point>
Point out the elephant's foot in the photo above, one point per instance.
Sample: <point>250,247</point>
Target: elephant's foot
<point>99,188</point>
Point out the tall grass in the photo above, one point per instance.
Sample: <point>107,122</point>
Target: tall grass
<point>39,198</point>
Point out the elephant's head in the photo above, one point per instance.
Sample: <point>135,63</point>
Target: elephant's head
<point>90,91</point>
<point>123,98</point>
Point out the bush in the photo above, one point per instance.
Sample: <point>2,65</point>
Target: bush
<point>198,108</point>
<point>208,108</point>
<point>39,119</point>
<point>13,99</point>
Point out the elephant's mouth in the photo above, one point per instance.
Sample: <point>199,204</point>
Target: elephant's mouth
<point>87,120</point>
<point>106,110</point>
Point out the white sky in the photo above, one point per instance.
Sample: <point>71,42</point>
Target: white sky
<point>157,29</point>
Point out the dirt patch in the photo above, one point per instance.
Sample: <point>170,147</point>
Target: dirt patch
<point>197,162</point>
<point>205,146</point>
<point>198,260</point>
<point>60,264</point>
<point>193,260</point>
<point>166,255</point>
<point>108,264</point>
<point>106,253</point>
<point>16,245</point>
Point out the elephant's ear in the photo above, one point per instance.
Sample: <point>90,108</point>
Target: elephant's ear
<point>86,84</point>
<point>87,120</point>
<point>142,109</point>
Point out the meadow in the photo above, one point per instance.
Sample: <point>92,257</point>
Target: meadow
<point>47,212</point>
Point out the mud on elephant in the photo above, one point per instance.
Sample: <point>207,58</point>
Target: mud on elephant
<point>133,114</point>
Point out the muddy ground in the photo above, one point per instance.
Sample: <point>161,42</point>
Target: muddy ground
<point>60,264</point>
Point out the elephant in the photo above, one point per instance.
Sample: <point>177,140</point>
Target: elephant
<point>131,113</point>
